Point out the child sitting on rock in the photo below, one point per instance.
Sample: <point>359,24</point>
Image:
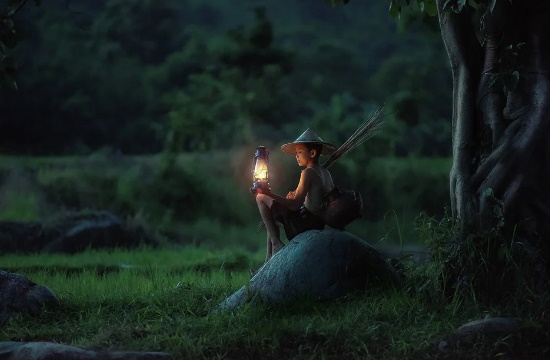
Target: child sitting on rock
<point>300,210</point>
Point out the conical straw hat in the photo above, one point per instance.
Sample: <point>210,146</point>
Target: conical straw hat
<point>308,137</point>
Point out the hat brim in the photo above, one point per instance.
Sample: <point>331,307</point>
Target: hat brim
<point>290,148</point>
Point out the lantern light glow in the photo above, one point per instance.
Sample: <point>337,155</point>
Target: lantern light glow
<point>260,169</point>
<point>260,173</point>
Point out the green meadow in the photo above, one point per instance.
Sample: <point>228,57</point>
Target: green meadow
<point>161,297</point>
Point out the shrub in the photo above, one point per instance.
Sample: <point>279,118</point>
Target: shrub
<point>20,199</point>
<point>76,188</point>
<point>405,185</point>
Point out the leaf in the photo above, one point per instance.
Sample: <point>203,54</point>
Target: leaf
<point>473,3</point>
<point>430,7</point>
<point>395,10</point>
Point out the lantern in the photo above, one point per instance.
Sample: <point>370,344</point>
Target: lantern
<point>260,177</point>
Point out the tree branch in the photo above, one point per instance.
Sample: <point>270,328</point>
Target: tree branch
<point>19,6</point>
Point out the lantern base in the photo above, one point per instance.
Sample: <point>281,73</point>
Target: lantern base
<point>259,185</point>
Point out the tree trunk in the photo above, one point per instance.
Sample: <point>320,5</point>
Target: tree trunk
<point>500,178</point>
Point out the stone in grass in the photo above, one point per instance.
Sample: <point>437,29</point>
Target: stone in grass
<point>490,329</point>
<point>323,264</point>
<point>88,230</point>
<point>72,233</point>
<point>11,350</point>
<point>19,294</point>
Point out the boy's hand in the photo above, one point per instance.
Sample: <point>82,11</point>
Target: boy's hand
<point>263,191</point>
<point>291,195</point>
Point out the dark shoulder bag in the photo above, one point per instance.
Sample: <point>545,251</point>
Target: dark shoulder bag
<point>342,207</point>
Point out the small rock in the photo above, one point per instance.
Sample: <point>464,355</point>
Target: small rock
<point>492,327</point>
<point>19,294</point>
<point>11,350</point>
<point>72,233</point>
<point>97,230</point>
<point>488,330</point>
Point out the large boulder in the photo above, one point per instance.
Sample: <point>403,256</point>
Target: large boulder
<point>21,237</point>
<point>11,350</point>
<point>71,233</point>
<point>97,230</point>
<point>19,294</point>
<point>321,264</point>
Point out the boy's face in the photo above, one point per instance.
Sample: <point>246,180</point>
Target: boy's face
<point>303,155</point>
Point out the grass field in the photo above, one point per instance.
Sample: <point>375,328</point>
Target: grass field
<point>161,300</point>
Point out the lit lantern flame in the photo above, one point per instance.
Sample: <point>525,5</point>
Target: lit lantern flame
<point>260,173</point>
<point>260,170</point>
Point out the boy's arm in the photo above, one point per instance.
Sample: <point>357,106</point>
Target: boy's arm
<point>299,194</point>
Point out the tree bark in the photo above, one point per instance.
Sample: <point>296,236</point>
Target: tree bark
<point>458,33</point>
<point>499,182</point>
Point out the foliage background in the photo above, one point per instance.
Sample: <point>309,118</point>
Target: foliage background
<point>153,108</point>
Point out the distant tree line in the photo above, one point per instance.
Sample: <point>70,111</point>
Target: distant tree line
<point>141,76</point>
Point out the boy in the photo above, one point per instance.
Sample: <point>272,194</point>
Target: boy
<point>300,210</point>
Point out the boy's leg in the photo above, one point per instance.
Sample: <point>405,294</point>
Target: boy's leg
<point>264,205</point>
<point>278,237</point>
<point>269,249</point>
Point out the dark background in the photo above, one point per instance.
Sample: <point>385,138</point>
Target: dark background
<point>131,74</point>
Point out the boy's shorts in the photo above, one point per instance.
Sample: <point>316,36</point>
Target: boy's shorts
<point>296,222</point>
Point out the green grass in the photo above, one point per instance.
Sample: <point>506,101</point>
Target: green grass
<point>161,300</point>
<point>215,235</point>
<point>170,259</point>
